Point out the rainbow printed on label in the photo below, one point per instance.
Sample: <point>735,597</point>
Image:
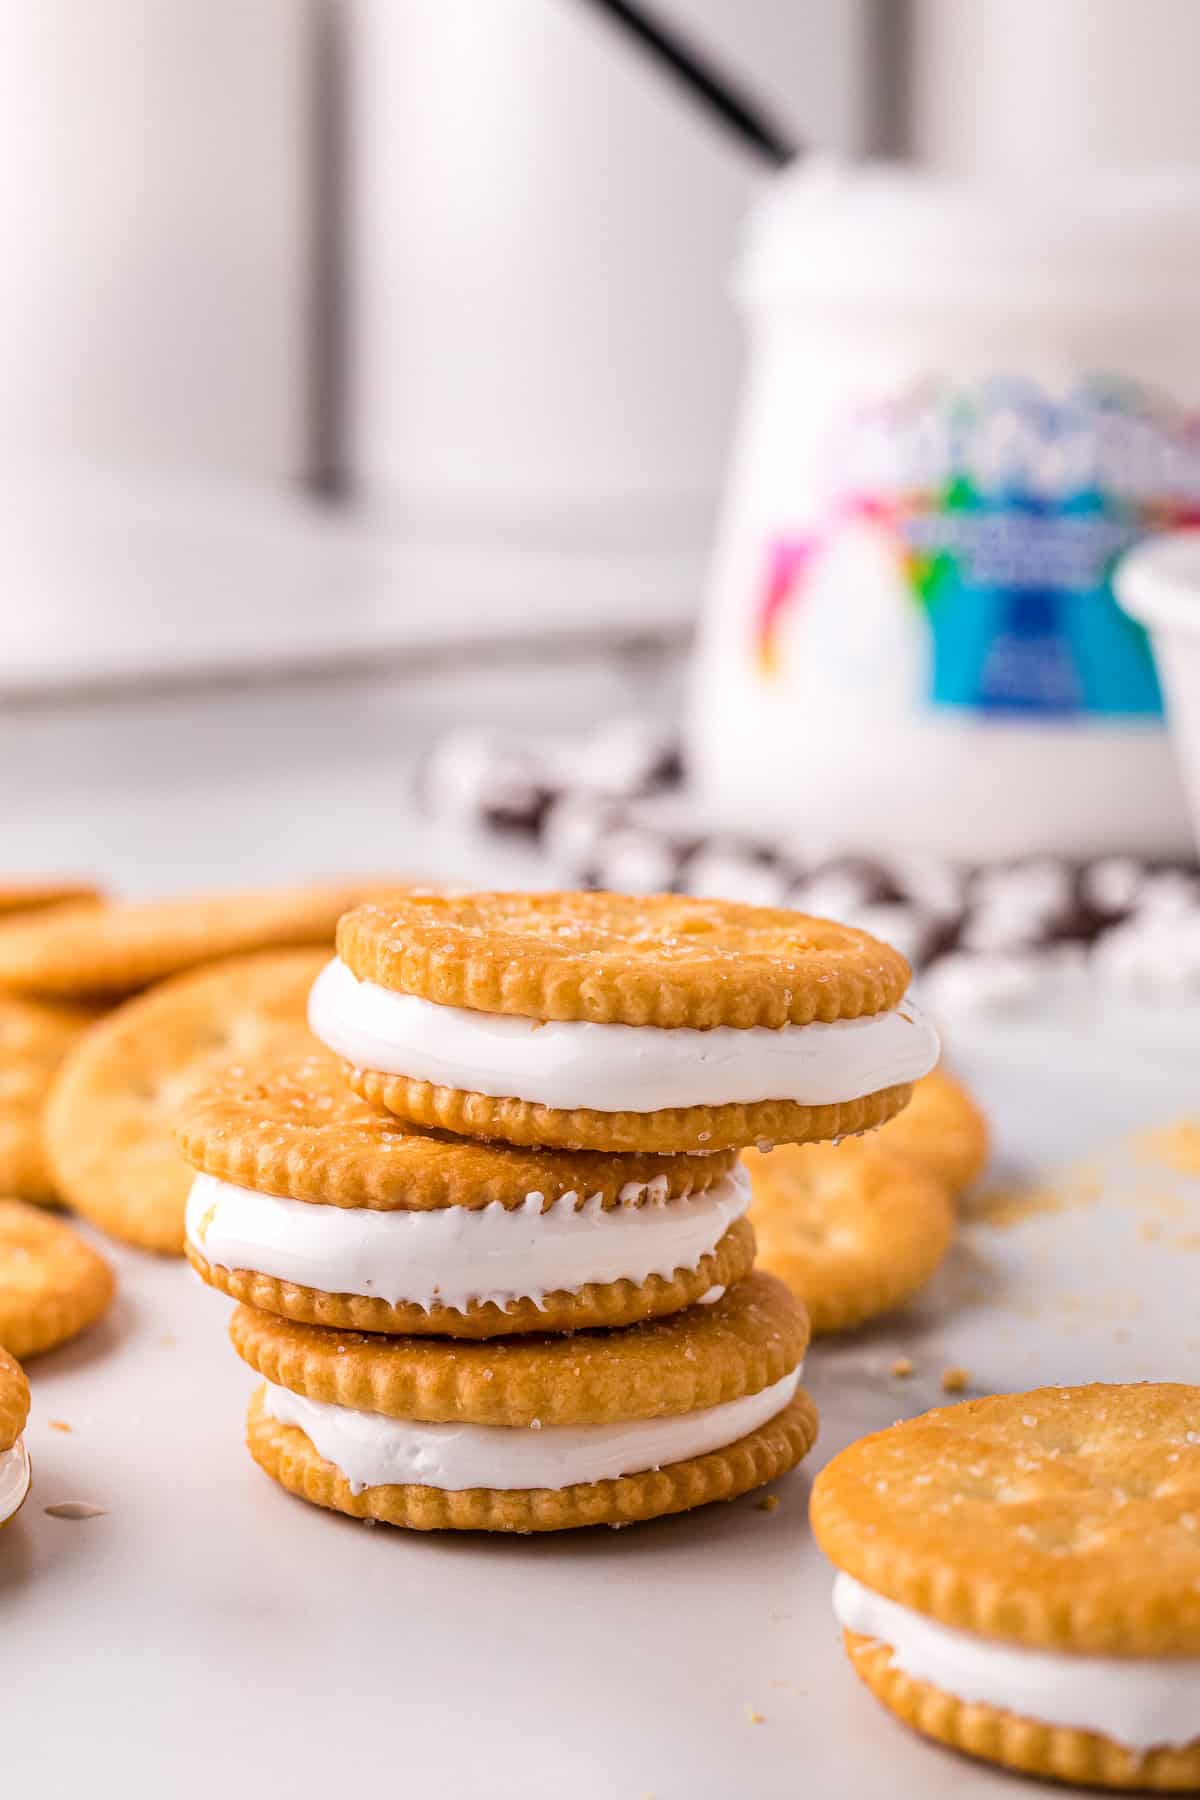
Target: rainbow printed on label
<point>1005,512</point>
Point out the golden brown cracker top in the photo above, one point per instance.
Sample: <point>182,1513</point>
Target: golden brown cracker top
<point>52,1283</point>
<point>294,1127</point>
<point>34,1037</point>
<point>941,1130</point>
<point>752,1337</point>
<point>34,896</point>
<point>40,1030</point>
<point>14,1400</point>
<point>1066,1518</point>
<point>116,949</point>
<point>659,959</point>
<point>110,1117</point>
<point>852,1229</point>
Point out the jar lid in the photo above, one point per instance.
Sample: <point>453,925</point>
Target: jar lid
<point>887,234</point>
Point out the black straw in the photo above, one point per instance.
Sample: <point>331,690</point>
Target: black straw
<point>715,91</point>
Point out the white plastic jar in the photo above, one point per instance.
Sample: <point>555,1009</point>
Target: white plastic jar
<point>962,405</point>
<point>1159,585</point>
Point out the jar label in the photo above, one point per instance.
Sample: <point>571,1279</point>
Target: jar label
<point>1003,511</point>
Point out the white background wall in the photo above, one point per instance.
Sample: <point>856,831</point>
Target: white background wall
<point>542,353</point>
<point>534,316</point>
<point>154,232</point>
<point>523,190</point>
<point>1004,85</point>
<point>541,233</point>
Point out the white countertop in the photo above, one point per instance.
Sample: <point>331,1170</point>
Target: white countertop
<point>210,1634</point>
<point>118,578</point>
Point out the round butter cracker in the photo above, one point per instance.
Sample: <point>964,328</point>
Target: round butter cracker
<point>662,960</point>
<point>1052,1752</point>
<point>288,1456</point>
<point>610,1304</point>
<point>1063,1519</point>
<point>14,1400</point>
<point>35,1036</point>
<point>941,1130</point>
<point>292,1126</point>
<point>110,1118</point>
<point>17,897</point>
<point>750,1338</point>
<point>53,1285</point>
<point>673,1129</point>
<point>852,1229</point>
<point>111,950</point>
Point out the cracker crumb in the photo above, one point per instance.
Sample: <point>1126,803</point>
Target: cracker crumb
<point>755,1718</point>
<point>1164,1203</point>
<point>1002,1208</point>
<point>903,1366</point>
<point>955,1380</point>
<point>167,1341</point>
<point>1175,1147</point>
<point>767,1503</point>
<point>58,1425</point>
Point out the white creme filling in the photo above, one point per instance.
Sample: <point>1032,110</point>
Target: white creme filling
<point>14,1479</point>
<point>374,1451</point>
<point>615,1068</point>
<point>1140,1703</point>
<point>457,1254</point>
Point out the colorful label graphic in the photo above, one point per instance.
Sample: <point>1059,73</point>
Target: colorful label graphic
<point>1006,511</point>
